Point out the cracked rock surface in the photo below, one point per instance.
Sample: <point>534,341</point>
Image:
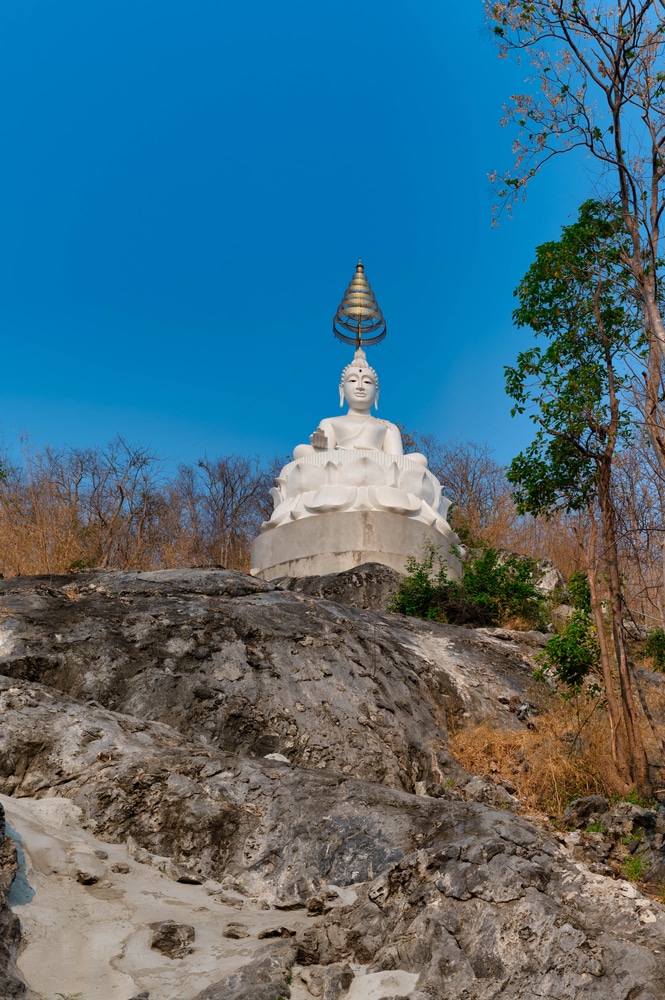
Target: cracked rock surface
<point>150,702</point>
<point>256,670</point>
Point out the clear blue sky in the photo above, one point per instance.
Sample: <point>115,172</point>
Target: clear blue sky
<point>185,189</point>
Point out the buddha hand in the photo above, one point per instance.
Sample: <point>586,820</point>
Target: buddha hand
<point>318,439</point>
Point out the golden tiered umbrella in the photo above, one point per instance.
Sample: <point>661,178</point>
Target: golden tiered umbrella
<point>359,314</point>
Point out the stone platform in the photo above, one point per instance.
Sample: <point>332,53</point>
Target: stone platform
<point>339,540</point>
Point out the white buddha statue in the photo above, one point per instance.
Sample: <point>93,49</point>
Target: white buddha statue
<point>356,462</point>
<point>351,495</point>
<point>359,387</point>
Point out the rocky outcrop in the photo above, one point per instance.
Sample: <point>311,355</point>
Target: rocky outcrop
<point>618,838</point>
<point>466,897</point>
<point>280,832</point>
<point>495,909</point>
<point>257,670</point>
<point>371,586</point>
<point>265,978</point>
<point>151,701</point>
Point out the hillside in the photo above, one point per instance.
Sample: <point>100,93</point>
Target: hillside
<point>241,759</point>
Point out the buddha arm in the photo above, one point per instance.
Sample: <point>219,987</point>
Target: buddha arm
<point>392,443</point>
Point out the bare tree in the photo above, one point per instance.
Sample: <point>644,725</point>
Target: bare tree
<point>482,510</point>
<point>120,502</point>
<point>639,492</point>
<point>218,506</point>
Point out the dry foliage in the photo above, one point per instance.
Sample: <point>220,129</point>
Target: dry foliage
<point>116,508</point>
<point>564,757</point>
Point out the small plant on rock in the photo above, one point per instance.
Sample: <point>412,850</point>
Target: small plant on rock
<point>634,868</point>
<point>636,799</point>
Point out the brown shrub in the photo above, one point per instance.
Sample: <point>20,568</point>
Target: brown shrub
<point>563,758</point>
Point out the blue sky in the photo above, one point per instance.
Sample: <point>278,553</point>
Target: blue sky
<point>185,189</point>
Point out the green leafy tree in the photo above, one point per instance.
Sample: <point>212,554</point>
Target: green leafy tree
<point>598,84</point>
<point>576,299</point>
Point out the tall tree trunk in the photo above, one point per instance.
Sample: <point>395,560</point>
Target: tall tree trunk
<point>620,774</point>
<point>637,757</point>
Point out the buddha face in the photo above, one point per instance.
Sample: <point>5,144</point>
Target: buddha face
<point>359,388</point>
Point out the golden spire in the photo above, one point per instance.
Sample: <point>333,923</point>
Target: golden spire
<point>359,313</point>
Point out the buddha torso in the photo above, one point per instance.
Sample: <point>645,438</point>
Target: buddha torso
<point>354,431</point>
<point>361,431</point>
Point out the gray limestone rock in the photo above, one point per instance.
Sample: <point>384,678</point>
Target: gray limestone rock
<point>12,986</point>
<point>152,700</point>
<point>236,931</point>
<point>172,939</point>
<point>488,914</point>
<point>258,671</point>
<point>371,586</point>
<point>280,832</point>
<point>265,978</point>
<point>329,982</point>
<point>585,810</point>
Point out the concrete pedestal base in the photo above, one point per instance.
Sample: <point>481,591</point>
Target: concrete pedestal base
<point>340,540</point>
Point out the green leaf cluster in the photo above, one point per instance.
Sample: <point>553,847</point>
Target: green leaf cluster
<point>494,589</point>
<point>579,591</point>
<point>635,867</point>
<point>655,648</point>
<point>573,652</point>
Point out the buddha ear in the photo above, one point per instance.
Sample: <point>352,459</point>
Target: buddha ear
<point>341,395</point>
<point>376,400</point>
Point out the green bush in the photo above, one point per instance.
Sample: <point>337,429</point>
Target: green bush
<point>494,590</point>
<point>574,651</point>
<point>419,593</point>
<point>655,648</point>
<point>579,591</point>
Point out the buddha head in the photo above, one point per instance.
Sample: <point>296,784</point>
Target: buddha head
<point>359,384</point>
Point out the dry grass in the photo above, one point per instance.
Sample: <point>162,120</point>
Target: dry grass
<point>566,756</point>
